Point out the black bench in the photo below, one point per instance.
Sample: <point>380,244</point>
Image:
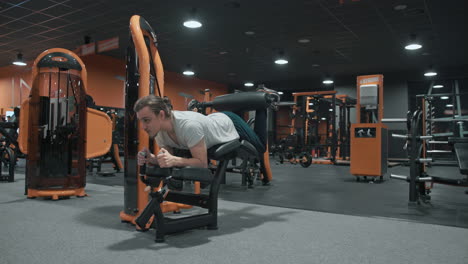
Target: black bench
<point>155,175</point>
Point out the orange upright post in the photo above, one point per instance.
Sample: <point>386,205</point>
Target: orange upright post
<point>145,75</point>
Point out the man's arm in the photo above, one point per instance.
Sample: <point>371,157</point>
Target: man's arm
<point>199,157</point>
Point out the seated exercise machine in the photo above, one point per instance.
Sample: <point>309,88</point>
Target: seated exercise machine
<point>145,75</point>
<point>420,182</point>
<point>154,176</point>
<point>57,131</point>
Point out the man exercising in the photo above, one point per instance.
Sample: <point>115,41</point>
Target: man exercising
<point>192,131</point>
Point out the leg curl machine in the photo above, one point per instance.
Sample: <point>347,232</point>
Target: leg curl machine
<point>221,153</point>
<point>242,102</point>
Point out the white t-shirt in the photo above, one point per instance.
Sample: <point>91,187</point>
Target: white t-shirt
<point>191,127</point>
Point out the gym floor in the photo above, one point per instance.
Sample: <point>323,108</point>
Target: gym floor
<point>319,214</point>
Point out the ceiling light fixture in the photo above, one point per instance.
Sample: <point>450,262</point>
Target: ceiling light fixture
<point>449,105</point>
<point>192,21</point>
<point>413,43</point>
<point>19,60</point>
<point>248,84</point>
<point>327,80</point>
<point>438,86</point>
<point>280,93</point>
<point>188,71</point>
<point>430,72</point>
<point>281,59</point>
<point>444,97</point>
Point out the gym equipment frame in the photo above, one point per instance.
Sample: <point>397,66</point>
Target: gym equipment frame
<point>57,131</point>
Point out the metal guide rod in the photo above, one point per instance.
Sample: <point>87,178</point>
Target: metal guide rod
<point>399,177</point>
<point>440,94</point>
<point>400,136</point>
<point>439,151</point>
<point>424,160</point>
<point>394,120</point>
<point>449,119</point>
<point>437,142</point>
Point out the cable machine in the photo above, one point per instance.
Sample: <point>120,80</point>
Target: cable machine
<point>57,131</point>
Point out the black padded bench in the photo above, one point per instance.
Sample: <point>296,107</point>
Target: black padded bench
<point>154,175</point>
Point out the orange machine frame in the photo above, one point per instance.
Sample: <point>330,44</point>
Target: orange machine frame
<point>308,110</point>
<point>368,154</point>
<point>91,122</point>
<point>140,29</point>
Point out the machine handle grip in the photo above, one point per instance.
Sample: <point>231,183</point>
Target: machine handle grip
<point>143,167</point>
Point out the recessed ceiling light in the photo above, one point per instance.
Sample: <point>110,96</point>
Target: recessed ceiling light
<point>327,81</point>
<point>250,33</point>
<point>430,73</point>
<point>400,7</point>
<point>248,84</point>
<point>280,93</point>
<point>444,97</point>
<point>413,46</point>
<point>438,86</point>
<point>449,105</point>
<point>188,73</point>
<point>303,40</point>
<point>192,24</point>
<point>281,61</point>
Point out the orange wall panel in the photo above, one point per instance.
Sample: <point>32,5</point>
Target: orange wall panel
<point>105,84</point>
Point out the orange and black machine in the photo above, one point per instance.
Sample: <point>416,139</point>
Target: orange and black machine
<point>144,76</point>
<point>369,143</point>
<point>57,131</point>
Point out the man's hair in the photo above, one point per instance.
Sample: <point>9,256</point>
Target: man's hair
<point>155,103</point>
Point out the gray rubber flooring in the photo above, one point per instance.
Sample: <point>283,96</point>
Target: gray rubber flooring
<point>333,189</point>
<point>88,230</point>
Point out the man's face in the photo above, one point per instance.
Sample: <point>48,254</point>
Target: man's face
<point>149,121</point>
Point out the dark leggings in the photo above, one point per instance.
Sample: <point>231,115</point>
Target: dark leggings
<point>257,136</point>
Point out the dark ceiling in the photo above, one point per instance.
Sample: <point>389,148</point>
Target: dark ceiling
<point>347,37</point>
